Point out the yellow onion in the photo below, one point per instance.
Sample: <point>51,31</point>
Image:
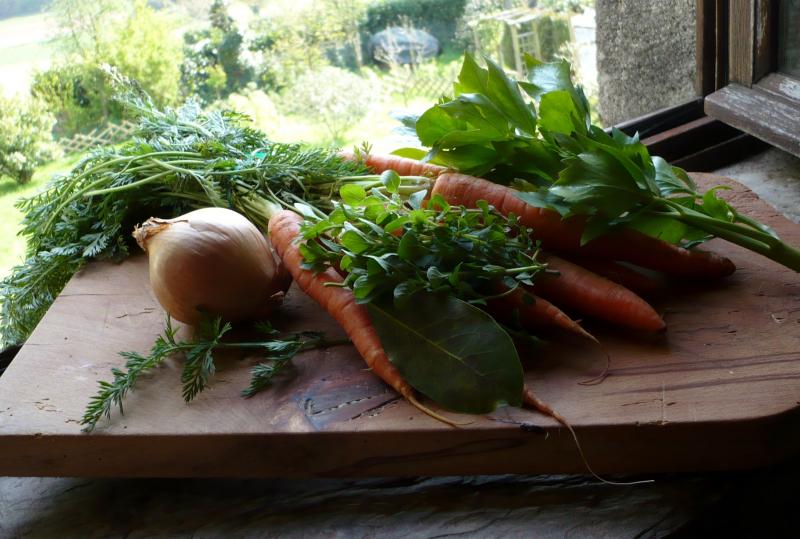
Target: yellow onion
<point>212,261</point>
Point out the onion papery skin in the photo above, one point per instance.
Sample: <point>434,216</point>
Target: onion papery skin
<point>213,262</point>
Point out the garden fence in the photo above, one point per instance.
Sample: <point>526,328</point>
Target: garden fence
<point>99,136</point>
<point>420,83</point>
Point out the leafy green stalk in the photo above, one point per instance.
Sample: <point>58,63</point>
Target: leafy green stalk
<point>536,135</point>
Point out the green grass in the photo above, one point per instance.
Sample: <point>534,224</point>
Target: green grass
<point>29,53</point>
<point>27,44</point>
<point>12,247</point>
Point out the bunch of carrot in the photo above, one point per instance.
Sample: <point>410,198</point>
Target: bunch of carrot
<point>535,309</point>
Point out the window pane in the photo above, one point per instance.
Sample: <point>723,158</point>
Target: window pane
<point>788,38</point>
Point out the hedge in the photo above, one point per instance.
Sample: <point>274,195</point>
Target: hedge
<point>437,17</point>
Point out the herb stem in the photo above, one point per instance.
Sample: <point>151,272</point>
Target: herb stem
<point>742,235</point>
<point>129,186</point>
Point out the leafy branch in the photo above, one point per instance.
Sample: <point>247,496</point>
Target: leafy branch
<point>199,365</point>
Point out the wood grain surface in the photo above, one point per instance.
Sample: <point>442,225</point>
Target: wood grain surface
<point>719,390</point>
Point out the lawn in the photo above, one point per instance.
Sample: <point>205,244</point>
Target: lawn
<point>27,44</point>
<point>12,247</point>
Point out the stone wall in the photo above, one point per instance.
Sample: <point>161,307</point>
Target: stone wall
<point>645,56</point>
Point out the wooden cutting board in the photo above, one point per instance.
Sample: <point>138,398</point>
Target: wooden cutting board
<point>719,390</point>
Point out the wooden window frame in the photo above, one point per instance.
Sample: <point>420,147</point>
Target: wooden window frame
<point>737,59</point>
<point>709,132</point>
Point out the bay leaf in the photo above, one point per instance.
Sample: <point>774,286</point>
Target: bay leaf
<point>450,351</point>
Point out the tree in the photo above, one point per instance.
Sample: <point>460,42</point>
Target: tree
<point>85,26</point>
<point>213,68</point>
<point>145,48</point>
<point>25,138</point>
<point>336,98</point>
<point>294,41</point>
<point>131,36</point>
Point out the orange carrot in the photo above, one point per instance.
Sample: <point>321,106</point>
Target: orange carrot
<point>623,275</point>
<point>579,289</point>
<point>284,229</point>
<point>402,165</point>
<point>530,400</point>
<point>559,234</point>
<point>533,313</point>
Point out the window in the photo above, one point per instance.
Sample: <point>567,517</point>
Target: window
<point>752,55</point>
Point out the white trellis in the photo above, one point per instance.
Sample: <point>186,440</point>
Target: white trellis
<point>519,25</point>
<point>99,136</point>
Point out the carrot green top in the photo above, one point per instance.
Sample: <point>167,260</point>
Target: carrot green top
<point>536,135</point>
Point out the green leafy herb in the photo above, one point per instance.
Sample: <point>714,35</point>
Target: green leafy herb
<point>199,363</point>
<point>278,354</point>
<point>417,269</point>
<point>450,351</point>
<point>392,247</point>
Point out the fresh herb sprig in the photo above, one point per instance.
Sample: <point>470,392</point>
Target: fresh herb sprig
<point>419,269</point>
<point>199,363</point>
<point>392,246</point>
<point>536,135</point>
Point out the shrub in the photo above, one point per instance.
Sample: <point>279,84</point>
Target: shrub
<point>26,140</point>
<point>293,41</point>
<point>256,105</point>
<point>212,67</point>
<point>78,97</point>
<point>135,39</point>
<point>145,48</point>
<point>286,49</point>
<point>336,98</point>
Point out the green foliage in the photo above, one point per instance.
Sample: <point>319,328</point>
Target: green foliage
<point>418,269</point>
<point>145,49</point>
<point>12,249</point>
<point>133,37</point>
<point>86,26</point>
<point>492,128</point>
<point>295,41</point>
<point>26,139</point>
<point>213,67</point>
<point>180,159</point>
<point>395,248</point>
<point>77,95</point>
<point>434,16</point>
<point>334,97</point>
<point>450,351</point>
<point>198,366</point>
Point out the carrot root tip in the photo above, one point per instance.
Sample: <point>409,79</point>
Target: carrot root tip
<point>439,417</point>
<point>537,404</point>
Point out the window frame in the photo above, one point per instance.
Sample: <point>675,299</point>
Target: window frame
<point>737,59</point>
<point>699,135</point>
